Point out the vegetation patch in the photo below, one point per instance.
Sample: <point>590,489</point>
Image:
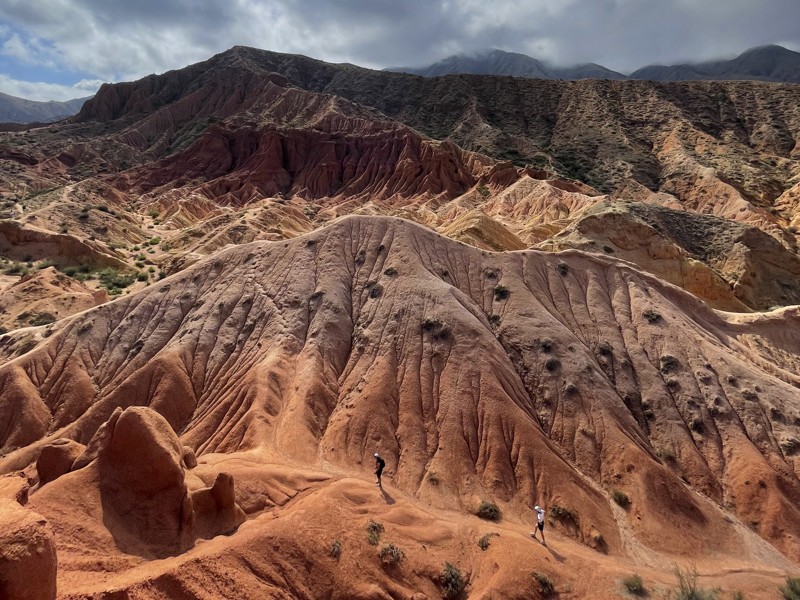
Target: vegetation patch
<point>546,587</point>
<point>651,316</point>
<point>791,591</point>
<point>374,531</point>
<point>488,511</point>
<point>563,513</point>
<point>335,549</point>
<point>634,585</point>
<point>486,540</point>
<point>688,588</point>
<point>501,293</point>
<point>390,555</point>
<point>453,582</point>
<point>621,498</point>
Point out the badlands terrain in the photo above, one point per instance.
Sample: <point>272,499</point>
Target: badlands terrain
<point>225,287</point>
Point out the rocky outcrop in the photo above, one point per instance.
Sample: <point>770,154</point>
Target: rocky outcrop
<point>28,562</point>
<point>215,508</point>
<point>56,459</point>
<point>730,265</point>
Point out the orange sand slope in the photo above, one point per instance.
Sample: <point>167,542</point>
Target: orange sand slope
<point>512,377</point>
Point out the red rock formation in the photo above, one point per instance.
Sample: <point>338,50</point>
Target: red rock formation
<point>27,554</point>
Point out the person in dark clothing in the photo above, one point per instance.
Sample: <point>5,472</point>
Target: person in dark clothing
<point>379,465</point>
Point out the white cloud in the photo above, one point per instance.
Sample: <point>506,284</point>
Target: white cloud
<point>38,90</point>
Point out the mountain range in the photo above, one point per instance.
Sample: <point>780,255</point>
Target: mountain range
<point>20,110</point>
<point>224,288</point>
<point>763,63</point>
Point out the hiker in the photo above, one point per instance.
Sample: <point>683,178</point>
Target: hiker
<point>379,464</point>
<point>539,523</point>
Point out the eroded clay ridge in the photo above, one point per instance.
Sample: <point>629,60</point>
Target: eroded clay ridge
<point>517,375</point>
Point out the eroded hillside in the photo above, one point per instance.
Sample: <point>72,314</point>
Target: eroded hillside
<point>508,376</point>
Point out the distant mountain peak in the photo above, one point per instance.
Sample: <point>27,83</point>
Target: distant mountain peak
<point>767,63</point>
<point>763,63</point>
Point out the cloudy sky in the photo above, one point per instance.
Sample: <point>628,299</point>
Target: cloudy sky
<point>61,49</point>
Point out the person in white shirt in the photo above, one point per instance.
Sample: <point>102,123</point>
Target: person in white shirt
<point>539,523</point>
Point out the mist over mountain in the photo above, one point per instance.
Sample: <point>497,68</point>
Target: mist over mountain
<point>763,63</point>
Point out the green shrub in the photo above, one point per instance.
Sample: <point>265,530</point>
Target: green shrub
<point>44,318</point>
<point>501,292</point>
<point>142,277</point>
<point>374,531</point>
<point>562,513</point>
<point>390,555</point>
<point>621,498</point>
<point>688,588</point>
<point>486,541</point>
<point>453,582</point>
<point>111,279</point>
<point>791,591</point>
<point>546,586</point>
<point>336,549</point>
<point>634,585</point>
<point>484,191</point>
<point>651,316</point>
<point>489,511</point>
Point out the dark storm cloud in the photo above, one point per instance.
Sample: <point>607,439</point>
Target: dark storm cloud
<point>122,39</point>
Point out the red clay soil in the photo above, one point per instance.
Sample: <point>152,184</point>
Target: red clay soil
<point>516,378</point>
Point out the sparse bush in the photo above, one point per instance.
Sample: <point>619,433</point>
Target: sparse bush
<point>453,582</point>
<point>688,588</point>
<point>488,511</point>
<point>437,329</point>
<point>562,269</point>
<point>666,454</point>
<point>562,513</point>
<point>501,292</point>
<point>486,541</point>
<point>484,191</point>
<point>142,277</point>
<point>605,349</point>
<point>495,319</point>
<point>634,585</point>
<point>621,498</point>
<point>551,364</point>
<point>154,214</point>
<point>737,595</point>
<point>546,586</point>
<point>651,316</point>
<point>433,478</point>
<point>668,363</point>
<point>390,555</point>
<point>608,250</point>
<point>374,531</point>
<point>791,591</point>
<point>336,549</point>
<point>44,318</point>
<point>570,389</point>
<point>391,271</point>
